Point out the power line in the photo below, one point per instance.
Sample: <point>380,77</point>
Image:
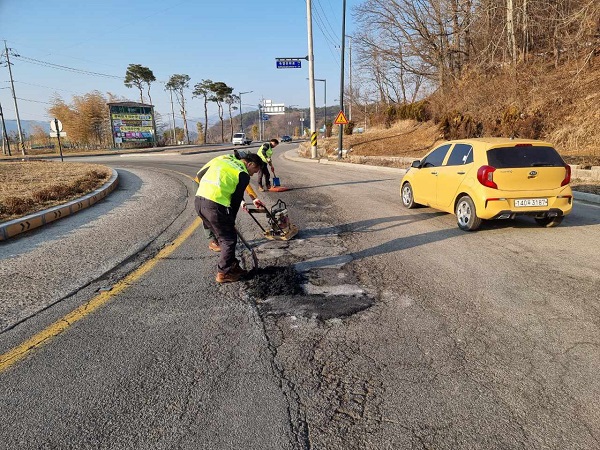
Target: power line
<point>66,68</point>
<point>329,39</point>
<point>325,17</point>
<point>34,101</point>
<point>321,25</point>
<point>42,86</point>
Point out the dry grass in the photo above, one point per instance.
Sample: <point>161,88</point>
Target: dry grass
<point>405,138</point>
<point>27,187</point>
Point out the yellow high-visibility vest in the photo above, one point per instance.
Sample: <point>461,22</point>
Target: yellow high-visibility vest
<point>265,153</point>
<point>221,179</point>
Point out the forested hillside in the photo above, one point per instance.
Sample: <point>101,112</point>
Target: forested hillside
<point>496,67</point>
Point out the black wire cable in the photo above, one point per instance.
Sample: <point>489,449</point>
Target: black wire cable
<point>66,68</point>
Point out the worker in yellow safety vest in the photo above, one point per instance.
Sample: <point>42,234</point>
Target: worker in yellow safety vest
<point>221,185</point>
<point>266,153</point>
<point>213,243</point>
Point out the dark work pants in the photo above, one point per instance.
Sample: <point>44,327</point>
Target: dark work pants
<point>263,171</point>
<point>221,221</point>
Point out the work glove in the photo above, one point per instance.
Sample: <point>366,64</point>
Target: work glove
<point>243,205</point>
<point>258,204</point>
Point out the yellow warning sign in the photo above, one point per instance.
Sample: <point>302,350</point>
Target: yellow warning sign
<point>341,119</point>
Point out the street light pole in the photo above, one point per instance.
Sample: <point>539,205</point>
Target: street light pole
<point>241,114</point>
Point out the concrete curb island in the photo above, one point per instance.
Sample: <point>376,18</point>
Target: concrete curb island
<point>38,219</point>
<point>32,221</point>
<point>293,156</point>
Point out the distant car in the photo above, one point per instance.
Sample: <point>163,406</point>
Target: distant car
<point>491,178</point>
<point>286,138</point>
<point>240,139</point>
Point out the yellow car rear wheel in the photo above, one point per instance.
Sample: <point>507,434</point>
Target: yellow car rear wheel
<point>466,214</point>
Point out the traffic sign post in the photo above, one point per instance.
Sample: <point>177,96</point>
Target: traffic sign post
<point>341,119</point>
<point>56,127</point>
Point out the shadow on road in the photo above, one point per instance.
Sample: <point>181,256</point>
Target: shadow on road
<point>370,225</point>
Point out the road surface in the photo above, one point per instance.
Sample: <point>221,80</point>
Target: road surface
<point>408,333</point>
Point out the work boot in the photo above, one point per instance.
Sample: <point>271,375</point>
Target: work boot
<point>236,269</point>
<point>229,277</point>
<point>214,246</point>
<point>261,189</point>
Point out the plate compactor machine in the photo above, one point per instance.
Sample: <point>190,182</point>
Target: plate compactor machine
<point>280,228</point>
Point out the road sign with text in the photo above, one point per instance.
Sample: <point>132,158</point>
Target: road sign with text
<point>288,64</point>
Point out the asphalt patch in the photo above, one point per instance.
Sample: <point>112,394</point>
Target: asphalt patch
<point>278,291</point>
<point>270,281</point>
<point>323,307</point>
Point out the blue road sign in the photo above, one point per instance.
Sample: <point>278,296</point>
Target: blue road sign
<point>289,64</point>
<point>265,117</point>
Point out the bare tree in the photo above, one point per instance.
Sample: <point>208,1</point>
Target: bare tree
<point>203,90</point>
<point>179,83</point>
<point>85,120</point>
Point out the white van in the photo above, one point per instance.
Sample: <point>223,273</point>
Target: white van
<point>240,139</point>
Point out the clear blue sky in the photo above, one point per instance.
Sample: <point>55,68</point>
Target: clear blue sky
<point>233,41</point>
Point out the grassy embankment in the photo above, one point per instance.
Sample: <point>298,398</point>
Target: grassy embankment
<point>30,186</point>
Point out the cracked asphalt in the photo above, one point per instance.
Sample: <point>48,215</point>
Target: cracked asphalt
<point>376,327</point>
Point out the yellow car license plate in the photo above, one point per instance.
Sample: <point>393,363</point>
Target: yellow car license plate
<point>531,202</point>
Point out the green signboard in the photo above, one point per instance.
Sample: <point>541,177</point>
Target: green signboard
<point>131,124</point>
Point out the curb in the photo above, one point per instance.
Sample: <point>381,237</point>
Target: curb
<point>581,196</point>
<point>35,220</point>
<point>586,197</point>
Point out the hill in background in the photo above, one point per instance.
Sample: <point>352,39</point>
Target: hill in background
<point>539,102</point>
<point>26,125</point>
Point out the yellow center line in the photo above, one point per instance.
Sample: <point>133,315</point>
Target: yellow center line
<point>17,353</point>
<point>12,356</point>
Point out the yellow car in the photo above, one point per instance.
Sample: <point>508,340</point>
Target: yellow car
<point>491,178</point>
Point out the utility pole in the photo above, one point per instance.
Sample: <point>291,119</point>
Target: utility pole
<point>4,135</point>
<point>350,75</point>
<point>311,83</point>
<point>324,101</point>
<point>242,114</point>
<point>340,137</point>
<point>21,140</point>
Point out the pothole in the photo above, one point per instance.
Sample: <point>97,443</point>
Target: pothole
<point>317,294</point>
<point>323,307</point>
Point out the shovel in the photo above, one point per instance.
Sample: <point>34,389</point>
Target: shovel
<point>276,181</point>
